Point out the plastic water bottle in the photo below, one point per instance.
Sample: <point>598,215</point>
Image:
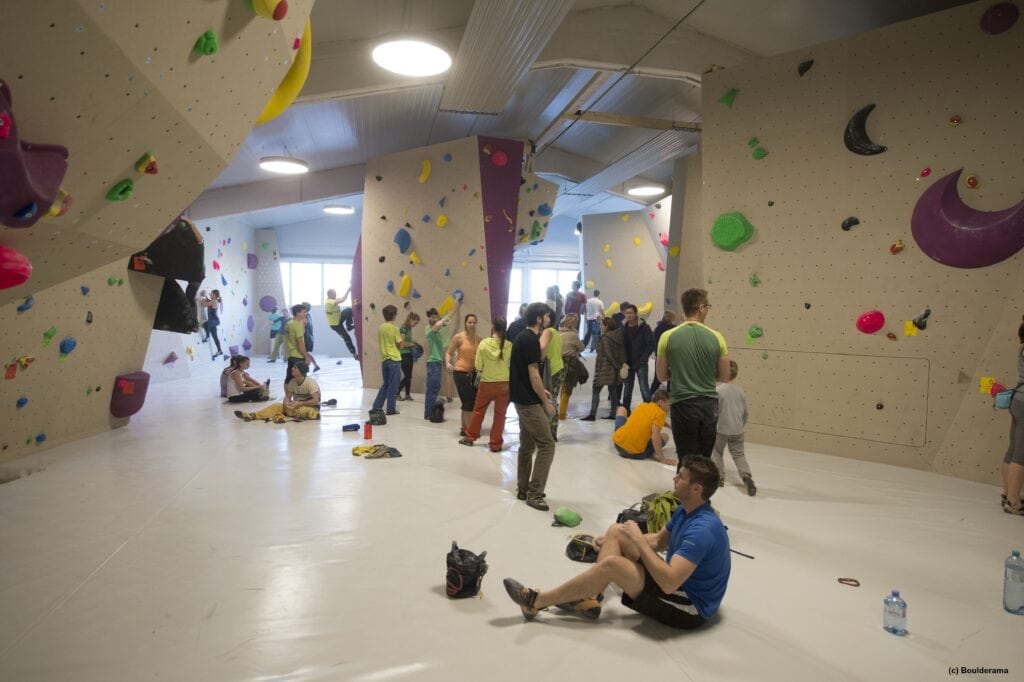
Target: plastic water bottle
<point>894,617</point>
<point>1013,584</point>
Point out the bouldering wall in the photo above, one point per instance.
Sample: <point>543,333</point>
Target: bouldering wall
<point>438,222</point>
<point>623,258</point>
<point>133,112</point>
<point>267,289</point>
<point>833,155</point>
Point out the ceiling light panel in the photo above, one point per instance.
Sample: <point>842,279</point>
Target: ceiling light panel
<point>501,42</point>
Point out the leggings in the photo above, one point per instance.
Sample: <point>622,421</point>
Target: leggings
<point>466,389</point>
<point>253,395</point>
<point>211,329</point>
<point>406,383</point>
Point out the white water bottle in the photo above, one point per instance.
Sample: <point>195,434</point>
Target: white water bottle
<point>894,615</point>
<point>1013,583</point>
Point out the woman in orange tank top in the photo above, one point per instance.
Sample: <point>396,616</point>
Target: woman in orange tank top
<point>463,347</point>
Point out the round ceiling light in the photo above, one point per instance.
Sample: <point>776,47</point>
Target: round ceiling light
<point>284,165</point>
<point>412,58</point>
<point>337,209</point>
<point>646,190</point>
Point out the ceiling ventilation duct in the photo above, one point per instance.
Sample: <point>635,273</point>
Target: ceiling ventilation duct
<point>501,42</point>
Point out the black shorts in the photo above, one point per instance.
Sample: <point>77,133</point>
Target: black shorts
<point>674,610</point>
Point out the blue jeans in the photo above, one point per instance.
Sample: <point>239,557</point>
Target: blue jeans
<point>392,372</point>
<point>594,333</point>
<point>645,389</point>
<point>433,387</point>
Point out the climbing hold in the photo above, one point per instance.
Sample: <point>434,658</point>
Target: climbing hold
<point>499,158</point>
<point>764,356</point>
<point>954,121</point>
<point>663,238</point>
<point>890,336</point>
<point>856,136</point>
<point>85,290</point>
<point>770,204</point>
<point>40,438</point>
<point>223,281</point>
<point>607,262</point>
<point>171,358</point>
<point>122,191</point>
<point>252,261</point>
<point>661,266</point>
<point>879,406</point>
<point>921,321</point>
<point>445,307</point>
<point>731,230</point>
<point>61,205</point>
<point>850,223</point>
<point>590,284</point>
<point>971,181</point>
<point>415,294</point>
<point>441,202</point>
<point>755,280</point>
<point>624,217</point>
<point>48,336</point>
<point>897,246</point>
<point>636,241</point>
<point>674,250</point>
<point>447,157</point>
<point>753,142</point>
<point>289,87</point>
<point>269,9</point>
<point>390,286</point>
<point>804,67</point>
<point>10,370</point>
<point>807,306</point>
<point>999,18</point>
<point>425,171</point>
<point>759,153</point>
<point>147,164</point>
<point>67,345</point>
<point>265,245</point>
<point>5,126</point>
<point>755,332</point>
<point>267,304</point>
<point>871,321</point>
<point>405,286</point>
<point>21,402</point>
<point>458,295</point>
<point>246,344</point>
<point>26,304</point>
<point>544,209</point>
<point>403,239</point>
<point>206,44</point>
<point>111,281</point>
<point>729,97</point>
<point>380,259</point>
<point>607,247</point>
<point>471,252</point>
<point>612,308</point>
<point>27,212</point>
<point>426,218</point>
<point>88,317</point>
<point>250,323</point>
<point>925,172</point>
<point>415,259</point>
<point>447,272</point>
<point>645,309</point>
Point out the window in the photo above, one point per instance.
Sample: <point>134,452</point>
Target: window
<point>338,276</point>
<point>515,294</point>
<point>286,282</point>
<point>307,283</point>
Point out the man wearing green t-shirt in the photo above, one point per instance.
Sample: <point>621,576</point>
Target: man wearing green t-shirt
<point>388,337</point>
<point>294,339</point>
<point>693,356</point>
<point>437,341</point>
<point>338,318</point>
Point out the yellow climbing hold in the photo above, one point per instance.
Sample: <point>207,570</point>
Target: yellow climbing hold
<point>590,284</point>
<point>425,173</point>
<point>405,287</point>
<point>636,241</point>
<point>607,262</point>
<point>612,308</point>
<point>674,251</point>
<point>445,307</point>
<point>414,257</point>
<point>292,82</point>
<point>624,217</point>
<point>645,309</point>
<point>442,219</point>
<point>245,246</point>
<point>607,247</point>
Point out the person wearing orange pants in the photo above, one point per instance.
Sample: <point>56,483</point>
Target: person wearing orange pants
<point>492,357</point>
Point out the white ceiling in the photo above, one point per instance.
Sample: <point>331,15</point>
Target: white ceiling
<point>351,110</point>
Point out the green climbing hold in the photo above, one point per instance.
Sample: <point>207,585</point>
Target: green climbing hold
<point>731,230</point>
<point>755,332</point>
<point>122,191</point>
<point>48,335</point>
<point>120,282</point>
<point>111,281</point>
<point>760,153</point>
<point>764,356</point>
<point>753,142</point>
<point>207,44</point>
<point>729,97</point>
<point>266,245</point>
<point>88,391</point>
<point>754,280</point>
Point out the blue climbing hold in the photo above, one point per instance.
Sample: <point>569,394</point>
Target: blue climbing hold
<point>403,239</point>
<point>27,305</point>
<point>544,209</point>
<point>457,294</point>
<point>390,286</point>
<point>447,157</point>
<point>85,291</point>
<point>40,437</point>
<point>426,218</point>
<point>415,293</point>
<point>223,281</point>
<point>22,402</point>
<point>67,345</point>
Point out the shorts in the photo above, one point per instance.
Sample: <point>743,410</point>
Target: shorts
<point>648,451</point>
<point>674,610</point>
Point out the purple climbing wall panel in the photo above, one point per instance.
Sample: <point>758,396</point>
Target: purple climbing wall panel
<point>500,170</point>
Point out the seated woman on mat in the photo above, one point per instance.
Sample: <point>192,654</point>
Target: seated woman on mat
<point>301,400</point>
<point>238,387</point>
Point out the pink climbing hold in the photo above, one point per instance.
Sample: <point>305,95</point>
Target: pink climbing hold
<point>499,158</point>
<point>871,321</point>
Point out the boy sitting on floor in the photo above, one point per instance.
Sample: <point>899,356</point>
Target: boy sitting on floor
<point>639,436</point>
<point>301,400</point>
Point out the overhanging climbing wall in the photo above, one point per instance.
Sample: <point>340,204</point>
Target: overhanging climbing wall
<point>789,153</point>
<point>437,220</point>
<point>623,257</point>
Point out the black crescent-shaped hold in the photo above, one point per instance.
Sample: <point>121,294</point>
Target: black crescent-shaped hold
<point>804,67</point>
<point>856,135</point>
<point>849,223</point>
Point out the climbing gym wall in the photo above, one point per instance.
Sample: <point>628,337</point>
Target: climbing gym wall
<point>113,117</point>
<point>439,222</point>
<point>231,256</point>
<point>624,257</point>
<point>267,288</point>
<point>862,225</point>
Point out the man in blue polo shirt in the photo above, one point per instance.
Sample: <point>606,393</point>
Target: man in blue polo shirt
<point>683,590</point>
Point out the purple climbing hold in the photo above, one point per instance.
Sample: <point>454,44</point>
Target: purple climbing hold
<point>999,18</point>
<point>246,345</point>
<point>268,303</point>
<point>250,324</point>
<point>252,260</point>
<point>171,358</point>
<point>233,350</point>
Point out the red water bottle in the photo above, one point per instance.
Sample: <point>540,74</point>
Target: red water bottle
<point>367,431</point>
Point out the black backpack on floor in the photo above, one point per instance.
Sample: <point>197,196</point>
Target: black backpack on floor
<point>465,572</point>
<point>437,414</point>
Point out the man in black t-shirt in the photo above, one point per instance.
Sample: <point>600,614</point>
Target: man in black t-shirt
<point>534,407</point>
